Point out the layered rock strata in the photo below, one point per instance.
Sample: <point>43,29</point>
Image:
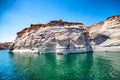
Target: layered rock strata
<point>69,37</point>
<point>105,36</point>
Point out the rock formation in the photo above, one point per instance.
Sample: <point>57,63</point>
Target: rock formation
<point>5,45</point>
<point>105,36</point>
<point>69,37</point>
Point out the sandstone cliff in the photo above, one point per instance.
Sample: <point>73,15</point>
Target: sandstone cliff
<point>105,36</point>
<point>5,45</point>
<point>69,37</point>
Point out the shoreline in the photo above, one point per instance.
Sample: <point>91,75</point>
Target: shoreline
<point>96,49</point>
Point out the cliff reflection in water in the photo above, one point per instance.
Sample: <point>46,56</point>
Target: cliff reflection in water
<point>97,66</point>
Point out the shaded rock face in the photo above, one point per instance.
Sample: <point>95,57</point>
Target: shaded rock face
<point>69,37</point>
<point>5,45</point>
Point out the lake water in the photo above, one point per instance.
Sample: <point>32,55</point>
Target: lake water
<point>87,66</point>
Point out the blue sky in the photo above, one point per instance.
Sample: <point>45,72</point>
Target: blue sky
<point>15,15</point>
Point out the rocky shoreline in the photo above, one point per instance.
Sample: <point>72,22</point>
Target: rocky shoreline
<point>68,37</point>
<point>4,45</point>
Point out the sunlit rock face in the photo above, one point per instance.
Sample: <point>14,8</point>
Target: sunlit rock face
<point>105,36</point>
<point>69,37</point>
<point>54,37</point>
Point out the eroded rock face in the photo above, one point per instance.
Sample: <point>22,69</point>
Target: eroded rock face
<point>5,45</point>
<point>54,37</point>
<point>105,36</point>
<point>69,37</point>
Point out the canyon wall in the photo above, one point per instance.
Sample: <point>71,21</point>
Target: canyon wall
<point>69,37</point>
<point>105,36</point>
<point>5,45</point>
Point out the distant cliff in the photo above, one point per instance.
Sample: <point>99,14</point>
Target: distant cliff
<point>69,37</point>
<point>5,45</point>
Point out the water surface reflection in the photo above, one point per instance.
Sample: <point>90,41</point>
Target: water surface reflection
<point>87,66</point>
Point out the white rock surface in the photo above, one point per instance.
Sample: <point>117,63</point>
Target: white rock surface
<point>67,37</point>
<point>106,36</point>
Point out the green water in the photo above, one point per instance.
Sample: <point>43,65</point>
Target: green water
<point>87,66</point>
